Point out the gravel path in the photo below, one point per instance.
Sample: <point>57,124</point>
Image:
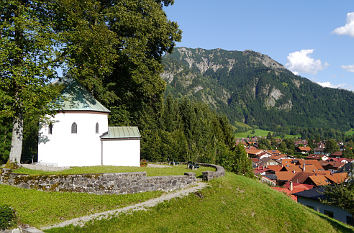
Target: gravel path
<point>44,167</point>
<point>157,165</point>
<point>140,206</point>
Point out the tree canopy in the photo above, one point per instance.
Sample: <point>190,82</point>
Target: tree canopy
<point>28,60</point>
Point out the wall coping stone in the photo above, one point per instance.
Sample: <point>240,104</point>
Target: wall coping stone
<point>209,175</point>
<point>106,183</point>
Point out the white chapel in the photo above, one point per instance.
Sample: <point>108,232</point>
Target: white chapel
<point>79,135</point>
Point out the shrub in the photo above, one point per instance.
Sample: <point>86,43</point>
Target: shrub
<point>7,217</point>
<point>143,163</point>
<point>11,165</point>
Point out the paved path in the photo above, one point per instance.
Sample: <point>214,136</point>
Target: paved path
<point>140,206</point>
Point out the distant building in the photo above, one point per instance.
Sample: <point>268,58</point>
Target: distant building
<point>311,198</point>
<point>303,149</point>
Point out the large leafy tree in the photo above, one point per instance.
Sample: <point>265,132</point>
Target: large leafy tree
<point>113,47</point>
<point>27,61</point>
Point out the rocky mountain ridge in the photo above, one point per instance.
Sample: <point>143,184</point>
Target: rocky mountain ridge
<point>255,89</point>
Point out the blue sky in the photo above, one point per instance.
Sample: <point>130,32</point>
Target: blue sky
<point>312,38</point>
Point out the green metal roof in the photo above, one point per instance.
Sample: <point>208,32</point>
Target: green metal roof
<point>76,98</point>
<point>122,132</point>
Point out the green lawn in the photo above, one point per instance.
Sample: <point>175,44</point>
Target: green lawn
<point>38,208</point>
<point>151,171</point>
<point>231,204</point>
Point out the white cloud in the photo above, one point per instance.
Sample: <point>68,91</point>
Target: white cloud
<point>349,68</point>
<point>301,62</point>
<point>329,84</point>
<point>348,28</point>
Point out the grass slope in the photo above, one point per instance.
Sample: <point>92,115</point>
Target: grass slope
<point>151,171</point>
<point>257,132</point>
<point>231,204</point>
<point>261,133</point>
<point>38,208</point>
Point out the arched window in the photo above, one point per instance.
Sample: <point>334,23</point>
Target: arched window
<point>50,128</point>
<point>74,128</point>
<point>97,128</point>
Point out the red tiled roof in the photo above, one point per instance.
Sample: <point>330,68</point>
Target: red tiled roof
<point>309,168</point>
<point>262,153</point>
<point>318,172</point>
<point>253,151</point>
<point>259,170</point>
<point>337,178</point>
<point>304,148</point>
<point>313,156</point>
<point>273,151</point>
<point>298,187</point>
<point>255,160</point>
<point>286,161</point>
<point>300,177</point>
<point>292,168</point>
<point>275,168</point>
<point>284,175</point>
<point>337,153</point>
<point>319,180</point>
<point>276,157</point>
<point>316,163</point>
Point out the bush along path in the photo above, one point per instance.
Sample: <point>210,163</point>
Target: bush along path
<point>140,206</point>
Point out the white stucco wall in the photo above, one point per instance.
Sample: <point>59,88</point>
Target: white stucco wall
<point>62,148</point>
<point>338,213</point>
<point>121,152</point>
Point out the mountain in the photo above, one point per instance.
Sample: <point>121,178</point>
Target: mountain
<point>252,88</point>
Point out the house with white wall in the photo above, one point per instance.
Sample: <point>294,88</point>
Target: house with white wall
<point>79,135</point>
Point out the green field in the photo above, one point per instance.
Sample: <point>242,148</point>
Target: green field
<point>257,132</point>
<point>230,204</point>
<point>349,132</point>
<point>261,133</point>
<point>151,171</point>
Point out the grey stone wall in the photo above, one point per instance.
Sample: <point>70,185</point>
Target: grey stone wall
<point>111,183</point>
<point>209,175</point>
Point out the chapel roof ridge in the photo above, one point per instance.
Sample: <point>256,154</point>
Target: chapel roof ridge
<point>75,97</point>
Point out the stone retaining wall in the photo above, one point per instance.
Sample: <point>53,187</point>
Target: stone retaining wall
<point>209,175</point>
<point>110,183</point>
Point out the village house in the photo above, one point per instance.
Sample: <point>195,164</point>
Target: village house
<point>311,198</point>
<point>303,149</point>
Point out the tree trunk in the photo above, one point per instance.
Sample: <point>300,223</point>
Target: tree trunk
<point>16,142</point>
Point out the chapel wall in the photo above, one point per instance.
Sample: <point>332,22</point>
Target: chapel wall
<point>63,148</point>
<point>128,153</point>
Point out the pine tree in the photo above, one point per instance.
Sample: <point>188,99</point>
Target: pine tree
<point>242,165</point>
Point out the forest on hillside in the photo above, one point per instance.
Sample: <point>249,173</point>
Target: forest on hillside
<point>251,88</point>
